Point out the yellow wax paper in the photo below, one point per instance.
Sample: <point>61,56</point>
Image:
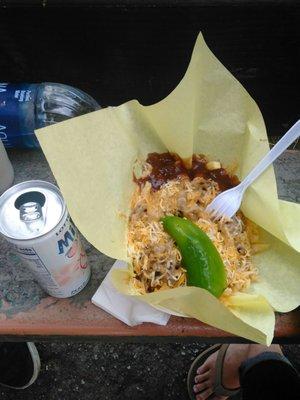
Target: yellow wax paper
<point>209,112</point>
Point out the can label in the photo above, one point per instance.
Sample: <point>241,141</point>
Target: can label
<point>58,261</point>
<point>17,114</point>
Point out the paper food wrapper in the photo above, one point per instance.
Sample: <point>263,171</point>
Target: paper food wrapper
<point>209,112</point>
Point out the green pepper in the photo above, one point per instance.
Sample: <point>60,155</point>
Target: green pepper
<point>200,258</point>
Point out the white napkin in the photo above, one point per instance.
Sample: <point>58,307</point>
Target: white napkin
<point>125,308</point>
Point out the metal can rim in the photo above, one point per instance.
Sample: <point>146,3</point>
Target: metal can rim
<point>35,181</point>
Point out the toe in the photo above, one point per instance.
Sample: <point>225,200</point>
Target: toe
<point>204,368</point>
<point>205,394</point>
<point>202,377</point>
<point>201,386</point>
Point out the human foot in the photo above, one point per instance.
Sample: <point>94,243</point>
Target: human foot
<point>235,355</point>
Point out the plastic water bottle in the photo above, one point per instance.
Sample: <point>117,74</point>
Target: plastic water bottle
<point>28,106</point>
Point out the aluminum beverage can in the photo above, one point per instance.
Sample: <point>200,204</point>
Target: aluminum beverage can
<point>35,220</point>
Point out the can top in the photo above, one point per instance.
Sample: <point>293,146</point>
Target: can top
<point>30,209</point>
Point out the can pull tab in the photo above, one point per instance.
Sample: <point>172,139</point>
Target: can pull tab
<point>30,206</point>
<point>31,213</point>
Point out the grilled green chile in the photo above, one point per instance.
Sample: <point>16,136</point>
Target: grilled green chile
<point>200,258</point>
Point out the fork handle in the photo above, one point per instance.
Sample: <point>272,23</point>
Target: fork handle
<point>292,134</point>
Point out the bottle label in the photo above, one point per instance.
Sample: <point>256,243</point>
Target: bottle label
<point>17,116</point>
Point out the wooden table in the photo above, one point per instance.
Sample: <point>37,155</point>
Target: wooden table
<point>26,311</point>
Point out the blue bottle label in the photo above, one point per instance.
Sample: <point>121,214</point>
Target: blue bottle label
<point>17,114</point>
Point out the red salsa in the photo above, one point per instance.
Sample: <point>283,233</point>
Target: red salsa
<point>167,166</point>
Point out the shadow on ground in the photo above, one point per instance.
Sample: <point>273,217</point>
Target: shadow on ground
<point>93,371</point>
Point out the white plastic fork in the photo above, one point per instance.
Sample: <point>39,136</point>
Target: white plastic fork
<point>228,202</point>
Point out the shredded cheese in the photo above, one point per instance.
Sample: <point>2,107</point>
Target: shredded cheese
<point>155,258</point>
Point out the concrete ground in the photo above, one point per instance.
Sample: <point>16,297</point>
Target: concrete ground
<point>102,371</point>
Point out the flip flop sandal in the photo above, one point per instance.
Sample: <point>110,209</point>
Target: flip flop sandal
<point>218,388</point>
